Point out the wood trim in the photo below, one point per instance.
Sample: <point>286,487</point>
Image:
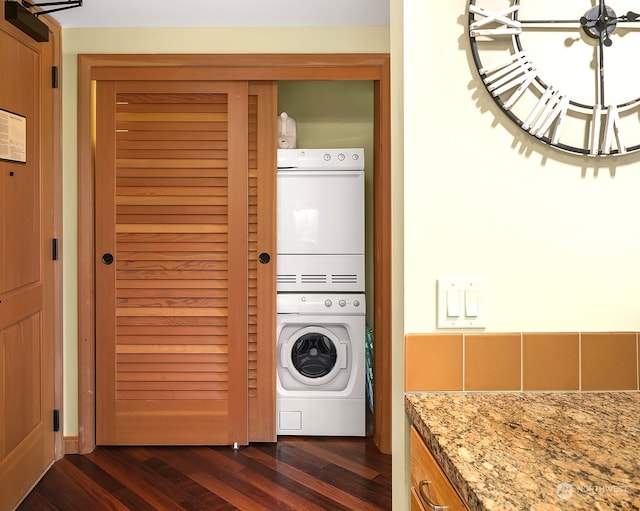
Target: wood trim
<point>71,445</point>
<point>359,66</point>
<point>86,265</point>
<point>382,261</point>
<point>159,72</point>
<point>256,67</point>
<point>55,42</point>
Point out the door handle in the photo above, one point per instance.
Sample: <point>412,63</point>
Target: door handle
<point>107,259</point>
<point>264,258</point>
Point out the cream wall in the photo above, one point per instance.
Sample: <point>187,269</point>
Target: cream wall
<point>399,421</point>
<point>555,235</point>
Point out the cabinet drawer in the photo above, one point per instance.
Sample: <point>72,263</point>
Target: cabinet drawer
<point>424,467</point>
<point>416,505</point>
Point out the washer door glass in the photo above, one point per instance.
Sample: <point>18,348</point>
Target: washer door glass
<point>314,355</point>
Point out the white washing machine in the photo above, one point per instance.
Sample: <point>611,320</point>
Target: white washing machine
<point>321,364</point>
<point>321,220</point>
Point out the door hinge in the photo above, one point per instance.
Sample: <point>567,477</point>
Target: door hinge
<point>54,249</point>
<point>56,421</point>
<point>54,77</point>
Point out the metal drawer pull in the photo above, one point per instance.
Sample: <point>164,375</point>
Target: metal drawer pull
<point>425,499</point>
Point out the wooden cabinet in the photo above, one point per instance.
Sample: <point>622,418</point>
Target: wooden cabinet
<point>431,490</point>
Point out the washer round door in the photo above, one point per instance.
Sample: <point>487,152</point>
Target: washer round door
<point>314,356</point>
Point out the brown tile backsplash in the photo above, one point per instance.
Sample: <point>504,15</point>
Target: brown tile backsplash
<point>609,361</point>
<point>436,362</point>
<point>492,362</point>
<point>553,361</point>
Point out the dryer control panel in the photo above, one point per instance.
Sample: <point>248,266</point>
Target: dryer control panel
<point>321,303</point>
<point>321,159</point>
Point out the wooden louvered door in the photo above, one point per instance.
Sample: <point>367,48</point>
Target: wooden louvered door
<point>262,275</point>
<point>172,272</point>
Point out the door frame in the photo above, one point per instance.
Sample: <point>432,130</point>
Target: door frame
<point>254,67</point>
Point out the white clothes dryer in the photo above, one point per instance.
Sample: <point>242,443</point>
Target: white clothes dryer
<point>321,220</point>
<point>321,364</point>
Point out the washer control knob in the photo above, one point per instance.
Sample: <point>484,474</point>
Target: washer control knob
<point>342,303</point>
<point>326,157</point>
<point>341,157</point>
<point>356,157</point>
<point>356,303</point>
<point>328,303</point>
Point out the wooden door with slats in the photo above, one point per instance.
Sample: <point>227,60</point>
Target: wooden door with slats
<point>172,273</point>
<point>263,106</point>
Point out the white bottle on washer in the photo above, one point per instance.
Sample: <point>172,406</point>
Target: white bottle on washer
<point>287,131</point>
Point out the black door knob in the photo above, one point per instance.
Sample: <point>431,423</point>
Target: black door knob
<point>264,258</point>
<point>107,259</point>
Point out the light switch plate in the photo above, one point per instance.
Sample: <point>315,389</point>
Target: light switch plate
<point>473,297</point>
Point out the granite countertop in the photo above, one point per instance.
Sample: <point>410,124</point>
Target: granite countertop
<point>535,451</point>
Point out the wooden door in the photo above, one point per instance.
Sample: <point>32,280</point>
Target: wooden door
<point>262,263</point>
<point>27,271</point>
<point>172,276</point>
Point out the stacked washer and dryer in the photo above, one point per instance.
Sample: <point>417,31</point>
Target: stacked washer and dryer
<point>321,323</point>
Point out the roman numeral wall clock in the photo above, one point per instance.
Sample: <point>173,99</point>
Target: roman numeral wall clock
<point>565,71</point>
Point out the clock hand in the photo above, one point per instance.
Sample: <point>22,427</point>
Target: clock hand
<point>601,44</point>
<point>587,22</point>
<point>602,25</point>
<point>550,22</point>
<point>629,17</point>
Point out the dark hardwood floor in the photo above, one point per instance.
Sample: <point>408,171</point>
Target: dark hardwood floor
<point>296,473</point>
